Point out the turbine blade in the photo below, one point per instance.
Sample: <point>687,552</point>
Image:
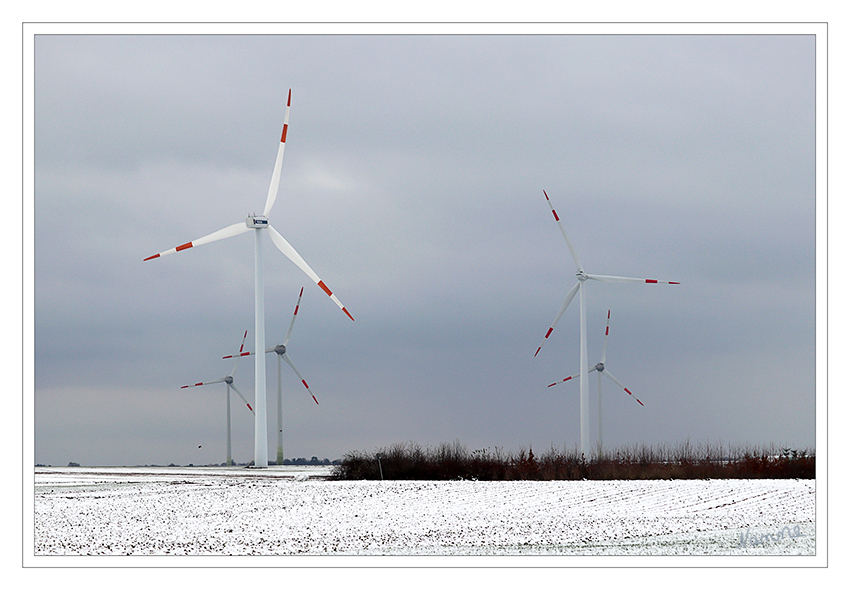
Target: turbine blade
<point>572,293</point>
<point>227,232</point>
<point>204,383</point>
<point>564,380</point>
<point>233,386</point>
<point>290,363</point>
<point>239,354</point>
<point>290,253</point>
<point>278,164</point>
<point>608,374</point>
<point>230,356</point>
<point>563,231</point>
<point>613,279</point>
<point>292,323</point>
<point>605,341</point>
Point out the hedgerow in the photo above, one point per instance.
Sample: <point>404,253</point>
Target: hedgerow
<point>446,461</point>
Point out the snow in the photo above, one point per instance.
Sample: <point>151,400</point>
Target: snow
<point>296,511</point>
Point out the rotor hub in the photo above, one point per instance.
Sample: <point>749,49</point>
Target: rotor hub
<point>280,349</point>
<point>228,380</point>
<point>581,275</point>
<point>600,367</point>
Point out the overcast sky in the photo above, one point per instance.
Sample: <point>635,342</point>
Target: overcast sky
<point>413,185</point>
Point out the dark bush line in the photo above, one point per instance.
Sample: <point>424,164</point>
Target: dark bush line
<point>410,461</point>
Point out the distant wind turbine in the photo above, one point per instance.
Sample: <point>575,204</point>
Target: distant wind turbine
<point>280,350</point>
<point>580,288</point>
<point>228,380</point>
<point>601,370</point>
<point>260,223</point>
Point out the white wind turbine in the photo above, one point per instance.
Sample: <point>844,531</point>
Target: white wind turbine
<point>260,223</point>
<point>228,380</point>
<point>580,288</point>
<point>280,350</point>
<point>601,370</point>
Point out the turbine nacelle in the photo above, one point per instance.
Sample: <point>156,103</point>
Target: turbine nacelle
<point>257,221</point>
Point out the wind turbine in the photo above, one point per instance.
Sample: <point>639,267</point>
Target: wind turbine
<point>260,223</point>
<point>601,370</point>
<point>580,288</point>
<point>228,380</point>
<point>280,349</point>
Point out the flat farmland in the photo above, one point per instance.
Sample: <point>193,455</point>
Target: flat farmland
<point>297,511</point>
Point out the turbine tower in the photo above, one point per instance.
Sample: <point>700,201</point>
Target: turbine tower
<point>228,380</point>
<point>580,288</point>
<point>260,224</point>
<point>601,369</point>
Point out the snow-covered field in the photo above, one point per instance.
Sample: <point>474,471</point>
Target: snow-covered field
<point>294,511</point>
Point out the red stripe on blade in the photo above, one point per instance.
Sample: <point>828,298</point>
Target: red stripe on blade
<point>314,399</point>
<point>651,281</point>
<point>185,246</point>
<point>289,98</point>
<point>283,135</point>
<point>305,384</point>
<point>151,257</point>
<point>324,288</point>
<point>549,332</point>
<point>348,314</point>
<point>556,215</point>
<point>249,407</point>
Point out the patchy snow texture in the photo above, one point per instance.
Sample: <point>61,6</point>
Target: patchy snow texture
<point>236,511</point>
